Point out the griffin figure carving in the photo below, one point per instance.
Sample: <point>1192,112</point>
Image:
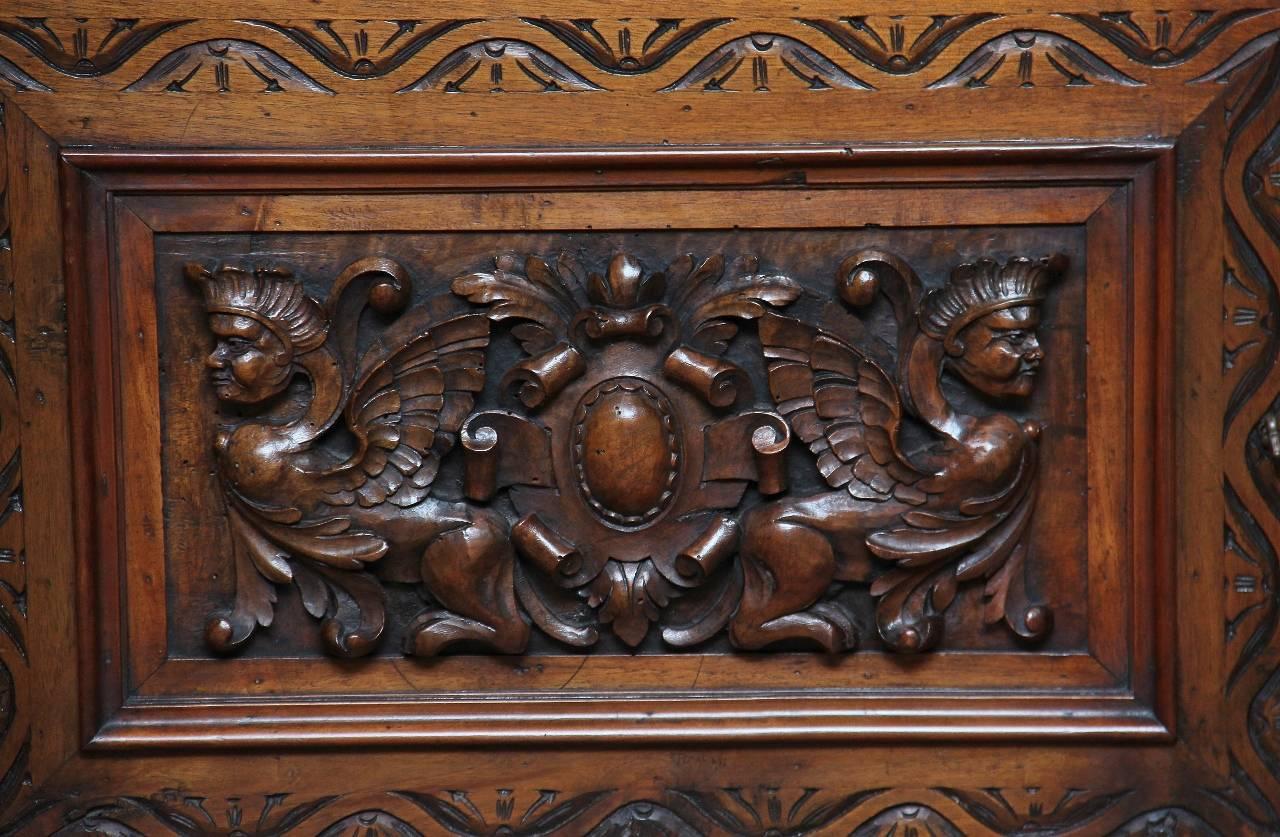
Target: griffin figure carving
<point>953,512</point>
<point>322,515</point>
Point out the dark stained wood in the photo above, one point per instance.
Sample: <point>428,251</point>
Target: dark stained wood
<point>600,419</point>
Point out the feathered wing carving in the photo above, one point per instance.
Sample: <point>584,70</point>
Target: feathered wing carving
<point>403,404</point>
<point>843,406</point>
<point>849,412</point>
<point>406,409</point>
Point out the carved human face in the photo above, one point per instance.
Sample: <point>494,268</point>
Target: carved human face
<point>249,363</point>
<point>1001,352</point>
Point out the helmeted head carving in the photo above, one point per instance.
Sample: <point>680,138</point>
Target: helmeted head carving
<point>263,321</point>
<point>986,318</point>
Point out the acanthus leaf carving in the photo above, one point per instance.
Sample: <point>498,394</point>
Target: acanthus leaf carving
<point>955,515</point>
<point>308,514</point>
<point>630,440</point>
<point>641,450</point>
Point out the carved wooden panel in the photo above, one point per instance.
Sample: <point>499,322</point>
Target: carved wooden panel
<point>608,492</point>
<point>667,420</point>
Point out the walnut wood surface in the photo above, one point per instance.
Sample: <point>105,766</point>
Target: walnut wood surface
<point>286,337</point>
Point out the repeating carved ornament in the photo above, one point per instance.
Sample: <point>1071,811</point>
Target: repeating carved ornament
<point>624,453</point>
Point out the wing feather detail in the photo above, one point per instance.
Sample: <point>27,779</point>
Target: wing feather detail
<point>843,406</point>
<point>407,406</point>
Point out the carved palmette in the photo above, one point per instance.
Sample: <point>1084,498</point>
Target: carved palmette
<point>623,451</point>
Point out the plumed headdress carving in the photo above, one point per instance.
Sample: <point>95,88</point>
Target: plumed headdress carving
<point>267,295</point>
<point>978,288</point>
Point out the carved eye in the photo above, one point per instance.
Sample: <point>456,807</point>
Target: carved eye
<point>1015,337</point>
<point>237,345</point>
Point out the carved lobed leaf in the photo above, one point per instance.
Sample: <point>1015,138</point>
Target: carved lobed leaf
<point>707,300</point>
<point>933,552</point>
<point>539,295</point>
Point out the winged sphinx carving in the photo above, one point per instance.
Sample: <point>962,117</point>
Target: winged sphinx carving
<point>956,512</point>
<point>604,493</point>
<point>306,513</point>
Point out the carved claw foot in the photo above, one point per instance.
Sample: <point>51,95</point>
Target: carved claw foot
<point>827,624</point>
<point>471,572</point>
<point>432,631</point>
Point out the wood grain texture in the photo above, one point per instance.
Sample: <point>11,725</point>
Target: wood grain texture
<point>1151,708</point>
<point>540,51</point>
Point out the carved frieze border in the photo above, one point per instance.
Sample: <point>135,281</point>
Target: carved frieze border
<point>759,810</point>
<point>859,54</point>
<point>1253,229</point>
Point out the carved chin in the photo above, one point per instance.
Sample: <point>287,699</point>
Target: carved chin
<point>235,393</point>
<point>1019,387</point>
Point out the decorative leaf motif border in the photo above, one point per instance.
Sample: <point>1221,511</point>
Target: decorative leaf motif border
<point>1252,693</point>
<point>1251,226</point>
<point>859,53</point>
<point>740,811</point>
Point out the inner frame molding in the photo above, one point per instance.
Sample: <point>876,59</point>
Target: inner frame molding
<point>1208,79</point>
<point>1116,688</point>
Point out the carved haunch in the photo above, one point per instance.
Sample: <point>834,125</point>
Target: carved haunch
<point>635,474</point>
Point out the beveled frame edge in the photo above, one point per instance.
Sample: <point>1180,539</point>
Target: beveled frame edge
<point>1233,788</point>
<point>1132,173</point>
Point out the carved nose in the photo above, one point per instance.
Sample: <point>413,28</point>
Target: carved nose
<point>214,361</point>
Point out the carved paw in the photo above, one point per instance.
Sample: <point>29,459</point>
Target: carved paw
<point>433,631</point>
<point>827,624</point>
